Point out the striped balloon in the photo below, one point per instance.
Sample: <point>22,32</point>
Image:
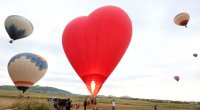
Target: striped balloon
<point>25,69</point>
<point>182,19</point>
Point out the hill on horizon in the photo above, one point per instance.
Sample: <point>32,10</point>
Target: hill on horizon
<point>40,89</point>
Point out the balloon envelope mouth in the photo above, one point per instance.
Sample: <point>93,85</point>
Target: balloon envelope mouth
<point>94,82</point>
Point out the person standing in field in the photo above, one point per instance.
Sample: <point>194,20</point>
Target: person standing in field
<point>85,104</point>
<point>113,105</point>
<point>68,104</point>
<point>94,104</point>
<point>155,107</point>
<point>77,106</point>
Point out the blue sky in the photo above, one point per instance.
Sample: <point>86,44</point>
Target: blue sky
<point>159,49</point>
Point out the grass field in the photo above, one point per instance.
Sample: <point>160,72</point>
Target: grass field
<point>38,101</point>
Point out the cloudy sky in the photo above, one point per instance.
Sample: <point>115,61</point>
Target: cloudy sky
<point>158,51</point>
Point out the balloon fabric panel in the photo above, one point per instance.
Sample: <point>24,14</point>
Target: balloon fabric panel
<point>14,32</point>
<point>39,63</point>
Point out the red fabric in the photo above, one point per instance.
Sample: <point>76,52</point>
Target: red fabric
<point>23,82</point>
<point>95,44</point>
<point>184,23</point>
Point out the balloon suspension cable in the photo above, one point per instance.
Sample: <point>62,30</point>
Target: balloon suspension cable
<point>11,41</point>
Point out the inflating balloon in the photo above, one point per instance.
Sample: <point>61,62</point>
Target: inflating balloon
<point>176,78</point>
<point>26,69</point>
<point>95,44</point>
<point>18,27</point>
<point>182,19</point>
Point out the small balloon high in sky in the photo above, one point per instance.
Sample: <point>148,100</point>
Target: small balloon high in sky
<point>177,78</point>
<point>195,55</point>
<point>182,19</point>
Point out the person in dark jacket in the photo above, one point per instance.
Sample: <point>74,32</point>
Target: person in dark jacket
<point>68,104</point>
<point>85,104</point>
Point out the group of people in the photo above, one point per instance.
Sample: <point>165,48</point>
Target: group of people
<point>94,102</point>
<point>67,103</point>
<point>91,101</point>
<point>61,103</point>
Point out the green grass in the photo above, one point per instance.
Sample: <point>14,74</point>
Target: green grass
<point>38,101</point>
<point>30,105</point>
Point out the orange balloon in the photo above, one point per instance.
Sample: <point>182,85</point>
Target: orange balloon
<point>182,19</point>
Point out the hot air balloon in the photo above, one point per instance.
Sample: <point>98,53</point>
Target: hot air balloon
<point>195,54</point>
<point>176,78</point>
<point>182,19</point>
<point>95,44</point>
<point>25,69</point>
<point>18,27</point>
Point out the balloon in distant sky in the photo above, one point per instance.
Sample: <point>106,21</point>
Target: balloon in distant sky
<point>195,55</point>
<point>176,78</point>
<point>182,19</point>
<point>18,27</point>
<point>26,69</point>
<point>95,44</point>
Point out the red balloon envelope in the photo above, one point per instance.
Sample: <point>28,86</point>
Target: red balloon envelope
<point>95,44</point>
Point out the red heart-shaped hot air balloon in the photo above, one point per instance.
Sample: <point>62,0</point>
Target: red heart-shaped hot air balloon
<point>95,44</point>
